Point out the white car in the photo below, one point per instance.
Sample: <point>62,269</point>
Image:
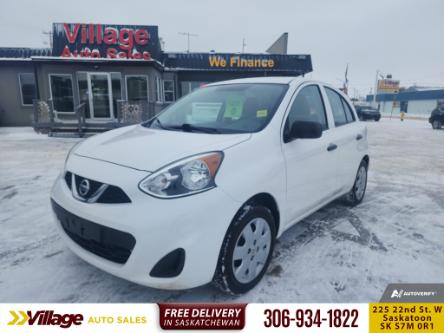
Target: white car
<point>202,191</point>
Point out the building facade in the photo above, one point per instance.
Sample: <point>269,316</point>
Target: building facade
<point>95,73</point>
<point>414,102</point>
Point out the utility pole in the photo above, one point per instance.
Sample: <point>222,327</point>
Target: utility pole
<point>188,38</point>
<point>378,74</point>
<point>243,45</point>
<point>346,80</point>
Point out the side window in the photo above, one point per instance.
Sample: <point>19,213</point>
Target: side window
<point>307,106</point>
<point>337,107</point>
<point>348,111</point>
<point>27,88</point>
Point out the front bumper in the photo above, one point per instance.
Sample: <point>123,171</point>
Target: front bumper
<point>197,224</point>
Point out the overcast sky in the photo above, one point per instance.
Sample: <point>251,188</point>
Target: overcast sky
<point>404,38</point>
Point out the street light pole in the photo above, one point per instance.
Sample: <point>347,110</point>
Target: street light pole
<point>376,87</point>
<point>378,75</point>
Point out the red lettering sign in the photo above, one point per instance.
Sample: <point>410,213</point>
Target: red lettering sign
<point>88,40</point>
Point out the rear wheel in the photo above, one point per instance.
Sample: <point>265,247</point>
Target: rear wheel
<point>436,124</point>
<point>356,194</point>
<point>246,251</point>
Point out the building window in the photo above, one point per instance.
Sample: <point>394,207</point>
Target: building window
<point>158,86</point>
<point>168,91</point>
<point>137,88</point>
<point>116,89</point>
<point>27,88</point>
<point>82,82</point>
<point>190,86</point>
<point>61,92</point>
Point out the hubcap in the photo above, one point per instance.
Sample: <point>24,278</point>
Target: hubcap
<point>251,250</point>
<point>361,182</point>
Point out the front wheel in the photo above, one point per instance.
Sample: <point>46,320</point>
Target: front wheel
<point>436,124</point>
<point>356,194</point>
<point>246,250</point>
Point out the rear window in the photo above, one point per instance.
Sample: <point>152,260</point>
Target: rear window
<point>342,113</point>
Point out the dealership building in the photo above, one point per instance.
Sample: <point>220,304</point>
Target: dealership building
<point>99,76</point>
<point>391,99</point>
<point>414,102</point>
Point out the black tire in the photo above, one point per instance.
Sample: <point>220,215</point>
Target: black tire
<point>224,278</point>
<point>436,124</point>
<point>352,198</point>
<point>377,119</point>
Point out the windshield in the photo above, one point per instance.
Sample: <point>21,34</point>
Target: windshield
<point>231,108</point>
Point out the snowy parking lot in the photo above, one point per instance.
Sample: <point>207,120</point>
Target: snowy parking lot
<point>338,254</point>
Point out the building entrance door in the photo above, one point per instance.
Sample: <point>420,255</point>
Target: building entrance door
<point>100,96</point>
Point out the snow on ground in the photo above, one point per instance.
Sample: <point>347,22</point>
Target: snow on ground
<point>336,255</point>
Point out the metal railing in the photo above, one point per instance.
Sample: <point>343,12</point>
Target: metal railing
<point>47,120</point>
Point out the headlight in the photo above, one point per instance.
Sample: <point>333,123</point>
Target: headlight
<point>185,177</point>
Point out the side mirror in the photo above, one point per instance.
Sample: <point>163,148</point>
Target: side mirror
<point>304,130</point>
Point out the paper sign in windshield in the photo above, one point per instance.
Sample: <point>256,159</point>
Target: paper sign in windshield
<point>234,107</point>
<point>204,112</point>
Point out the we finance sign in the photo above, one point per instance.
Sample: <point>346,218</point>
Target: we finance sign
<point>77,40</point>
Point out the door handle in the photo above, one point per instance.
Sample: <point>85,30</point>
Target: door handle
<point>359,137</point>
<point>331,147</point>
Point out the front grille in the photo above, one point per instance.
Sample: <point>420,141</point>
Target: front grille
<point>110,195</point>
<point>113,194</point>
<point>105,242</point>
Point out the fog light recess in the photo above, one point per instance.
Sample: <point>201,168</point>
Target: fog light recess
<point>170,265</point>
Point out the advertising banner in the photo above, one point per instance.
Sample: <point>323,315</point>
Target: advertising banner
<point>304,318</point>
<point>388,86</point>
<point>245,62</point>
<point>76,40</point>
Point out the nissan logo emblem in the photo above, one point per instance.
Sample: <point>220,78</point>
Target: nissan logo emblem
<point>84,187</point>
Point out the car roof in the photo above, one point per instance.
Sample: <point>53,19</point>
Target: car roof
<point>263,79</point>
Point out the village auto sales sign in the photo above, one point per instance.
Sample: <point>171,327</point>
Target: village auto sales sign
<point>76,40</point>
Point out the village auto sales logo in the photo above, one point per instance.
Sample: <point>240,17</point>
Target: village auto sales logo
<point>75,40</point>
<point>45,318</point>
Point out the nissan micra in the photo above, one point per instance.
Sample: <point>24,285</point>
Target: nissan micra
<point>201,192</point>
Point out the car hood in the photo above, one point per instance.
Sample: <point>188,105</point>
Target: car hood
<point>149,149</point>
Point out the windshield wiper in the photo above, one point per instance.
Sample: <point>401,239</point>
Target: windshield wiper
<point>192,128</point>
<point>159,123</point>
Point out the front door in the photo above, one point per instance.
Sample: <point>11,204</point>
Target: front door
<point>310,163</point>
<point>100,96</point>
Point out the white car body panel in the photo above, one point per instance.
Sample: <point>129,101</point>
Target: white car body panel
<point>301,176</point>
<point>145,152</point>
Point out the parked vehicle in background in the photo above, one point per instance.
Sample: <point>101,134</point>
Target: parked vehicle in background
<point>202,191</point>
<point>437,118</point>
<point>368,113</point>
